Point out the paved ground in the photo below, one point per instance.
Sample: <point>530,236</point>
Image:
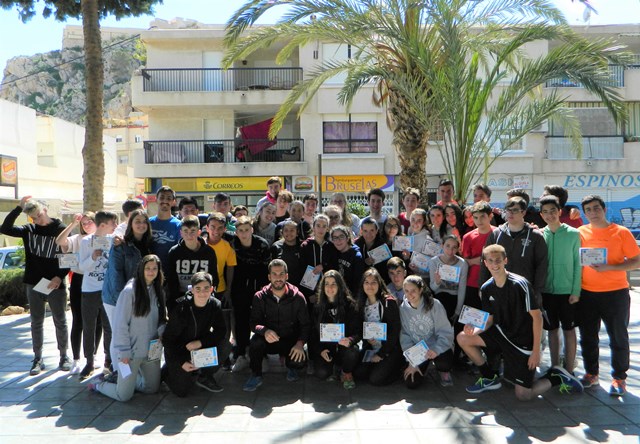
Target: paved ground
<point>56,406</point>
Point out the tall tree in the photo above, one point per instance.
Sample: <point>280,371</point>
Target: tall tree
<point>91,11</point>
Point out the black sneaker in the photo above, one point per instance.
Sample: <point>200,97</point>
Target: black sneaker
<point>86,372</point>
<point>209,383</point>
<point>36,367</point>
<point>65,364</point>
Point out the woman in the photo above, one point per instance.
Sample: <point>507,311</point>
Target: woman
<point>125,257</point>
<point>455,221</point>
<point>347,219</point>
<point>384,356</point>
<point>423,318</point>
<point>450,292</point>
<point>71,244</point>
<point>350,260</point>
<point>140,318</point>
<point>263,225</point>
<point>336,306</point>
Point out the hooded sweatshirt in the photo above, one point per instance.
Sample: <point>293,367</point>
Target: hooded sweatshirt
<point>330,314</point>
<point>40,247</point>
<point>432,326</point>
<point>564,275</point>
<point>312,254</point>
<point>288,316</point>
<point>351,266</point>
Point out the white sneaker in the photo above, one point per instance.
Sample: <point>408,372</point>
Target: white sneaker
<point>265,365</point>
<point>76,367</point>
<point>241,364</point>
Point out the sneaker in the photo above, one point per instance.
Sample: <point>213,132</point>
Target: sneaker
<point>65,364</point>
<point>568,382</point>
<point>209,383</point>
<point>589,380</point>
<point>347,381</point>
<point>86,372</point>
<point>252,383</point>
<point>618,387</point>
<point>445,379</point>
<point>241,364</point>
<point>111,377</point>
<point>292,375</point>
<point>36,367</point>
<point>76,367</point>
<point>226,365</point>
<point>484,384</point>
<point>107,368</point>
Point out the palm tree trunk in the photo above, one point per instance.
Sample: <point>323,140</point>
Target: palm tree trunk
<point>410,142</point>
<point>93,175</point>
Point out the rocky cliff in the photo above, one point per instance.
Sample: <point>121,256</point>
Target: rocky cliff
<point>53,83</point>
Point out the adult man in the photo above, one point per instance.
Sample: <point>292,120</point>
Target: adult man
<point>165,226</point>
<point>514,328</point>
<point>280,321</point>
<point>274,185</point>
<point>375,199</point>
<point>445,191</point>
<point>605,293</point>
<point>39,240</point>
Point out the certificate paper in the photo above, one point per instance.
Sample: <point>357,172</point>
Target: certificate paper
<point>380,254</point>
<point>124,370</point>
<point>205,357</point>
<point>431,248</point>
<point>331,332</point>
<point>155,350</point>
<point>417,354</point>
<point>420,261</point>
<point>70,260</point>
<point>101,243</point>
<point>310,280</point>
<point>593,256</point>
<point>473,316</point>
<point>401,243</point>
<point>449,273</point>
<point>374,330</point>
<point>42,286</point>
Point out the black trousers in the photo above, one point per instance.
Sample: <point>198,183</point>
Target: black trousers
<point>443,363</point>
<point>346,358</point>
<point>259,348</point>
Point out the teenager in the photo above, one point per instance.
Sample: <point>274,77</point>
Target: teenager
<point>335,305</point>
<point>423,318</point>
<point>348,219</point>
<point>391,228</point>
<point>450,293</point>
<point>375,200</point>
<point>165,226</point>
<point>296,209</point>
<point>128,206</point>
<point>310,202</point>
<point>240,210</point>
<point>482,193</point>
<point>263,225</point>
<point>274,185</point>
<point>283,203</point>
<point>86,223</point>
<point>369,240</point>
<point>397,270</point>
<point>140,317</point>
<point>439,227</point>
<point>410,201</point>
<point>222,204</point>
<point>445,191</point>
<point>377,305</point>
<point>351,265</point>
<point>197,322</point>
<point>454,220</point>
<point>319,253</point>
<point>288,249</point>
<point>421,235</point>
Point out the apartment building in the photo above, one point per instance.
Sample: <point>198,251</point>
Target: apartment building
<point>207,128</point>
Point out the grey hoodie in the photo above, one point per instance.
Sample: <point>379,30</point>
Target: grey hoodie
<point>432,326</point>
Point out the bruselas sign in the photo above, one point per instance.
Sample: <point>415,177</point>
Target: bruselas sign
<point>602,181</point>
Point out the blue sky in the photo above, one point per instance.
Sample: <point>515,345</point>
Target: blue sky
<point>40,35</point>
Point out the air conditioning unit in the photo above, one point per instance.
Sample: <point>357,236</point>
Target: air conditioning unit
<point>542,128</point>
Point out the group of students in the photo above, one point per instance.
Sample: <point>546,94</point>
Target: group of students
<point>373,299</point>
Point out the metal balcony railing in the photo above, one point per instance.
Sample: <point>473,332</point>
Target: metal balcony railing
<point>616,73</point>
<point>223,151</point>
<point>607,147</point>
<point>216,79</point>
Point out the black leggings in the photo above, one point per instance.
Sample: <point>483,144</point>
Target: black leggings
<point>443,362</point>
<point>381,373</point>
<point>345,357</point>
<point>75,300</point>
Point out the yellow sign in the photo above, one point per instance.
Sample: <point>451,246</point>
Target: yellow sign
<point>8,170</point>
<point>231,184</point>
<point>356,184</point>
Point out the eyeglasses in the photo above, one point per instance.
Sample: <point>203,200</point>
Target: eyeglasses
<point>513,210</point>
<point>392,226</point>
<point>338,238</point>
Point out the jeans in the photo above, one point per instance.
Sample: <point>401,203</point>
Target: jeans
<point>144,378</point>
<point>57,300</point>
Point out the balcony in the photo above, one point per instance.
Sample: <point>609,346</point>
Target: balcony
<point>616,73</point>
<point>607,147</point>
<point>223,151</point>
<point>216,79</point>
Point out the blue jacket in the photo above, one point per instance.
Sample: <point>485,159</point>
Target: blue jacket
<point>123,264</point>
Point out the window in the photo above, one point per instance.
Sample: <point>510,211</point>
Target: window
<point>138,138</point>
<point>350,137</point>
<point>118,139</point>
<point>123,159</point>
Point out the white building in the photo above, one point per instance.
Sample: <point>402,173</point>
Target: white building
<point>196,111</point>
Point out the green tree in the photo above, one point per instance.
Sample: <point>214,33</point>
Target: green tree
<point>91,11</point>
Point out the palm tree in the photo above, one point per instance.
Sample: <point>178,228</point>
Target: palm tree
<point>386,36</point>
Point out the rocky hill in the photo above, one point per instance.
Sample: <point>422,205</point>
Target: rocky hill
<point>53,83</point>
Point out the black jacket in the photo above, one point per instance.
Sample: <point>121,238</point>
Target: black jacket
<point>389,314</point>
<point>189,323</point>
<point>291,255</point>
<point>287,317</point>
<point>312,254</point>
<point>328,314</point>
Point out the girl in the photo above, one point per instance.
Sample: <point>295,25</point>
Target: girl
<point>334,213</point>
<point>139,318</point>
<point>421,236</point>
<point>449,292</point>
<point>391,228</point>
<point>71,244</point>
<point>263,225</point>
<point>347,219</point>
<point>423,318</point>
<point>318,253</point>
<point>336,306</point>
<point>377,305</point>
<point>350,260</point>
<point>455,223</point>
<point>469,224</point>
<point>297,212</point>
<point>283,202</point>
<point>125,257</point>
<point>438,225</point>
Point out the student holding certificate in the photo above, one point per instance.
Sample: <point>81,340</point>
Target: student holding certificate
<point>381,356</point>
<point>317,255</point>
<point>337,330</point>
<point>350,260</point>
<point>448,273</point>
<point>196,323</point>
<point>424,319</point>
<point>139,318</point>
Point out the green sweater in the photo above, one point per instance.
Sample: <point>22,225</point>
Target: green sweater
<point>564,275</point>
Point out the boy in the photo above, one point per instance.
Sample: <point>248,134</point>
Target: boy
<point>127,207</point>
<point>164,226</point>
<point>445,190</point>
<point>288,249</point>
<point>274,185</point>
<point>310,202</point>
<point>190,256</point>
<point>605,294</point>
<point>410,201</point>
<point>93,263</point>
<point>562,286</point>
<point>397,270</point>
<point>472,244</point>
<point>514,328</point>
<point>222,204</point>
<point>297,215</point>
<point>482,192</point>
<point>375,199</point>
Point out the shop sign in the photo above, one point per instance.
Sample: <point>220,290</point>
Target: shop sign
<point>357,184</point>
